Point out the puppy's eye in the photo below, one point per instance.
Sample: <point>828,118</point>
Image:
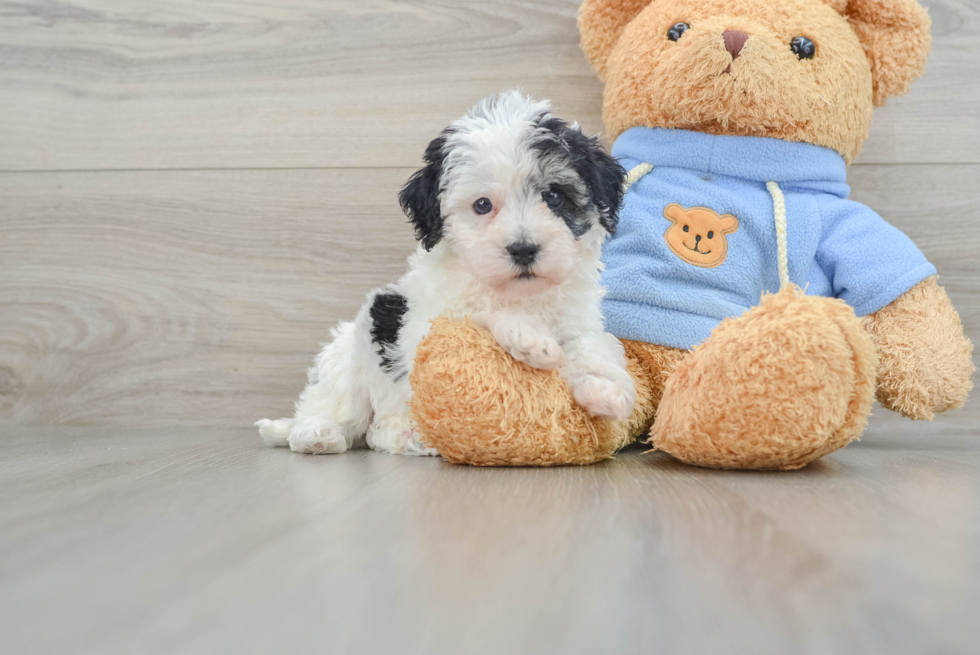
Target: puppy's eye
<point>803,47</point>
<point>687,229</point>
<point>483,206</point>
<point>553,199</point>
<point>677,30</point>
<point>711,235</point>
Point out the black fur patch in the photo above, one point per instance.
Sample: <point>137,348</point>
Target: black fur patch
<point>387,312</point>
<point>603,176</point>
<point>577,216</point>
<point>419,197</point>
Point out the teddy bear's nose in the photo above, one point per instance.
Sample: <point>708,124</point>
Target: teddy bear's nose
<point>734,41</point>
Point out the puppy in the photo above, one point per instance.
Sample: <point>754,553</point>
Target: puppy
<point>511,210</point>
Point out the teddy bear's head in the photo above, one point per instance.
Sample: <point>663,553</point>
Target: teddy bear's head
<point>699,235</point>
<point>799,70</point>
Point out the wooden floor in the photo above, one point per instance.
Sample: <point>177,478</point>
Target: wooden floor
<point>192,193</point>
<point>202,541</point>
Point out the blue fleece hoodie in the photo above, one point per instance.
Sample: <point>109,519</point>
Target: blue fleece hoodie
<point>837,247</point>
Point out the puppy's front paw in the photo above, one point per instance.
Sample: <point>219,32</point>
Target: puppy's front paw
<point>316,436</point>
<point>531,347</point>
<point>605,398</point>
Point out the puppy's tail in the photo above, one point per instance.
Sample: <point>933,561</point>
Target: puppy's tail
<point>275,434</point>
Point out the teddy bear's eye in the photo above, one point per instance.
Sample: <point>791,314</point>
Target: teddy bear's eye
<point>677,30</point>
<point>687,229</point>
<point>711,235</point>
<point>803,47</point>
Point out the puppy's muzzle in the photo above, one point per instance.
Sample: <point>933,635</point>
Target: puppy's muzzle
<point>523,253</point>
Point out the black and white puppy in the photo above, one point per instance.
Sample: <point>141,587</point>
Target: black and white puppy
<point>511,210</point>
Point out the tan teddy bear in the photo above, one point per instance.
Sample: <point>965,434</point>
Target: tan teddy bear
<point>737,119</point>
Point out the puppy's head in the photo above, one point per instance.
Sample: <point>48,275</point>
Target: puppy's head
<point>518,195</point>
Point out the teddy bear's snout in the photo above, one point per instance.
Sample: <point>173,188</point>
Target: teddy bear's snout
<point>734,42</point>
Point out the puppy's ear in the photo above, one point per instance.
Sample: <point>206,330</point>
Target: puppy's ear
<point>606,183</point>
<point>897,39</point>
<point>419,197</point>
<point>601,23</point>
<point>602,174</point>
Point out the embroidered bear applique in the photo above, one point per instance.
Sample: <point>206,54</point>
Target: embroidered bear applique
<point>699,236</point>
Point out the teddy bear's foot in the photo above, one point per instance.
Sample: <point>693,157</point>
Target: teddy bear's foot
<point>785,383</point>
<point>476,405</point>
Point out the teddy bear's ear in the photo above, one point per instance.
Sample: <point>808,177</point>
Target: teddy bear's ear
<point>601,23</point>
<point>729,224</point>
<point>896,37</point>
<point>674,212</point>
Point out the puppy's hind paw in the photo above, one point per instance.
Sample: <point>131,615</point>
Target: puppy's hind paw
<point>604,398</point>
<point>275,434</point>
<point>417,448</point>
<point>395,435</point>
<point>317,436</point>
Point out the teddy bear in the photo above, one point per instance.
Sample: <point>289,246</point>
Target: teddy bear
<point>760,310</point>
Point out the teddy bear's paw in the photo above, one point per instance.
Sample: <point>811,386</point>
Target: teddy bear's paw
<point>315,435</point>
<point>604,397</point>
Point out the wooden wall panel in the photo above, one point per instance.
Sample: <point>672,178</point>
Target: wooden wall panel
<point>182,297</point>
<point>101,84</point>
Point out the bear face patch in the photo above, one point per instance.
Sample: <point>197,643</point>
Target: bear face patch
<point>699,235</point>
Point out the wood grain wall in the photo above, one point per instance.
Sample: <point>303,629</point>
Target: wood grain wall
<point>192,193</point>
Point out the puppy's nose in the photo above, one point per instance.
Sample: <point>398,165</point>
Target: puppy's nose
<point>734,41</point>
<point>523,253</point>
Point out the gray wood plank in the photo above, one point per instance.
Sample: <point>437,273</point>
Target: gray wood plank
<point>203,541</point>
<point>199,298</point>
<point>90,84</point>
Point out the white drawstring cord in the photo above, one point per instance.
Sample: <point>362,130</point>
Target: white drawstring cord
<point>779,211</point>
<point>634,175</point>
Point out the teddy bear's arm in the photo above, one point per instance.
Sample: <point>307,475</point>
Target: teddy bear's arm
<point>925,361</point>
